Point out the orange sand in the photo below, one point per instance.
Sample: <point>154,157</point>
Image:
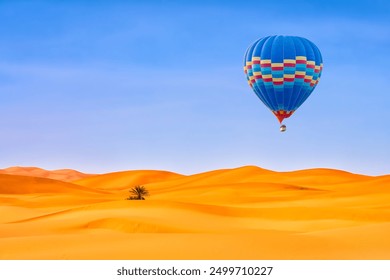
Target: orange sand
<point>67,175</point>
<point>242,213</point>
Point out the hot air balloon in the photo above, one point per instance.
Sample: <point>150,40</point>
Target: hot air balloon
<point>283,71</point>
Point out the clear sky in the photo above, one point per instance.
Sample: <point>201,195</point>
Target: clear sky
<point>104,86</point>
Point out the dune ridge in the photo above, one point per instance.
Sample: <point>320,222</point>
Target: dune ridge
<point>238,213</point>
<point>66,175</point>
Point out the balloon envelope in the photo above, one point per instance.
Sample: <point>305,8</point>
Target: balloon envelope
<point>283,71</point>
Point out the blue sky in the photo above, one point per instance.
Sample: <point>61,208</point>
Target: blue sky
<point>104,86</point>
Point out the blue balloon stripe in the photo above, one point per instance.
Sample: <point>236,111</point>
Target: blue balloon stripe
<point>260,93</point>
<point>255,86</point>
<point>289,70</point>
<point>256,67</point>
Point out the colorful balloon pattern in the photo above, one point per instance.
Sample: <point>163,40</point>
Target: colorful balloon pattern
<point>283,71</point>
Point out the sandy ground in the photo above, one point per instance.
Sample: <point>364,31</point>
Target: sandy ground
<point>241,213</point>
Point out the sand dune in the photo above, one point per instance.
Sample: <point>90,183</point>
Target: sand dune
<point>15,184</point>
<point>66,175</point>
<point>126,179</point>
<point>240,213</point>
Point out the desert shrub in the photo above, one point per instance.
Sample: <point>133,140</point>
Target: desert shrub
<point>138,193</point>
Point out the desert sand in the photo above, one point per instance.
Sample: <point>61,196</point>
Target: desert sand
<point>66,175</point>
<point>239,213</point>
